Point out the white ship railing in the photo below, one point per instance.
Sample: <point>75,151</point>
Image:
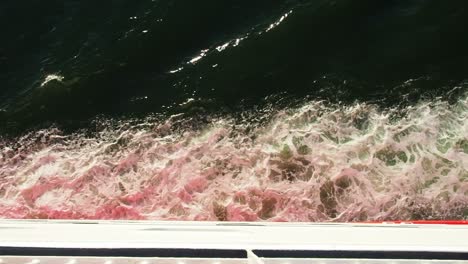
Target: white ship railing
<point>114,242</point>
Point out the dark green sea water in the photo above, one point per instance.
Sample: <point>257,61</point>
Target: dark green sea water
<point>125,57</point>
<point>233,110</point>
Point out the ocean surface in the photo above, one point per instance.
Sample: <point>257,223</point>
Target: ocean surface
<point>278,110</point>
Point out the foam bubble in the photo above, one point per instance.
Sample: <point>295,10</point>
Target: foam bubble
<point>318,162</point>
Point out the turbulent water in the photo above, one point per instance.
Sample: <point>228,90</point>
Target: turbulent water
<point>311,110</point>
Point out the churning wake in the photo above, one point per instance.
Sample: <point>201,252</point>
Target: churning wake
<point>318,162</point>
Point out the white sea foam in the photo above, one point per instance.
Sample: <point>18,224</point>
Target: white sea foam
<point>319,162</point>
